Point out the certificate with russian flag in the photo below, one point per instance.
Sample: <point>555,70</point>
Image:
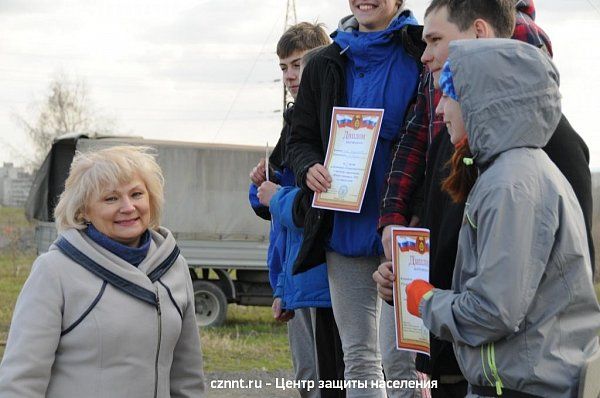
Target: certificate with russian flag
<point>410,255</point>
<point>352,143</point>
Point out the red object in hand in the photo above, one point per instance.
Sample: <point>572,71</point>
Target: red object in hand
<point>414,294</point>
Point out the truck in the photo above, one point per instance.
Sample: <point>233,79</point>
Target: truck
<point>206,207</point>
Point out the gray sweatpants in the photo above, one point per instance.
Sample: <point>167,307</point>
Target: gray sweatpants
<point>398,365</point>
<point>356,310</point>
<point>301,336</point>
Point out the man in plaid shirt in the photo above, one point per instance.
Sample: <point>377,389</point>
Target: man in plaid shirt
<point>410,153</point>
<point>414,154</point>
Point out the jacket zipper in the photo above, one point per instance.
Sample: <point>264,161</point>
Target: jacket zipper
<point>491,360</point>
<point>158,312</point>
<point>494,369</point>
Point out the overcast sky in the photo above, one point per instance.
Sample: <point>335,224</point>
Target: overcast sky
<point>206,71</point>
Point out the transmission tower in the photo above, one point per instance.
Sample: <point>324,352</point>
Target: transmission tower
<point>290,14</point>
<point>290,19</point>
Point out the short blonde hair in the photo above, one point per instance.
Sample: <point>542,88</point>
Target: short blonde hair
<point>92,172</point>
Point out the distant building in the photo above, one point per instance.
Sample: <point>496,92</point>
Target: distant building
<point>15,183</point>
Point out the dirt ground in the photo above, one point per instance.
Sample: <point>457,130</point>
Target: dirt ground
<point>225,385</point>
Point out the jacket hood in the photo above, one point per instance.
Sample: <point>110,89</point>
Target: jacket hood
<point>161,245</point>
<point>508,92</point>
<point>353,44</point>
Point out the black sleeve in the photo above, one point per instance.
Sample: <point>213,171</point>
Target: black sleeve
<point>305,148</point>
<point>417,202</point>
<point>263,212</point>
<point>570,153</point>
<point>302,203</point>
<point>277,157</point>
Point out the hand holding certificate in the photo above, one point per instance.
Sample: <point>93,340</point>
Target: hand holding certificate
<point>410,256</point>
<point>352,143</point>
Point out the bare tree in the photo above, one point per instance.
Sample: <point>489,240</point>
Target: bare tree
<point>66,109</point>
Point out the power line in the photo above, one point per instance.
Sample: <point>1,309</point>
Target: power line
<point>594,6</point>
<point>237,94</point>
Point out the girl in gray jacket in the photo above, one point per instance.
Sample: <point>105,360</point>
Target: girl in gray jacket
<point>522,314</point>
<point>108,311</point>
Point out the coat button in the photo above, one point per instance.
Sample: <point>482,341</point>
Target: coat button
<point>361,74</point>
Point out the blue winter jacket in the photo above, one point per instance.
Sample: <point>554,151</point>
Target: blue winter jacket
<point>276,250</point>
<point>307,289</point>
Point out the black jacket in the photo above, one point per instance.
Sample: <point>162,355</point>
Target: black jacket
<point>571,155</point>
<point>322,87</point>
<point>278,158</point>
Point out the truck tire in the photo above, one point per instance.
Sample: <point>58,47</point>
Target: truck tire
<point>211,304</point>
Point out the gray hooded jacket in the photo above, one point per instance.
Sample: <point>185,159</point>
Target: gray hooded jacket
<point>522,314</point>
<point>124,347</point>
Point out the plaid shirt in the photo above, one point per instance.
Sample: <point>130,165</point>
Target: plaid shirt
<point>407,169</point>
<point>526,30</point>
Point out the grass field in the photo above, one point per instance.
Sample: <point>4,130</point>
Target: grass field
<point>249,340</point>
<point>15,263</point>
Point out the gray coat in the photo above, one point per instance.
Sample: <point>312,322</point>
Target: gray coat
<point>522,313</point>
<point>124,347</point>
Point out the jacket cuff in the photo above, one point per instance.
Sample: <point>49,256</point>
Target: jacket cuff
<point>279,288</point>
<point>390,219</point>
<point>426,297</point>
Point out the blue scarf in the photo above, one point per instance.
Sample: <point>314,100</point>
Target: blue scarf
<point>133,255</point>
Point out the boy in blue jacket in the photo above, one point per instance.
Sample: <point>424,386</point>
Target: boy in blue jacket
<point>296,298</point>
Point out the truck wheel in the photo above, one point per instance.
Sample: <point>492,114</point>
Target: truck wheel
<point>211,304</point>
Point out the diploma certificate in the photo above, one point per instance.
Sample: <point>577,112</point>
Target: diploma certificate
<point>410,254</point>
<point>352,142</point>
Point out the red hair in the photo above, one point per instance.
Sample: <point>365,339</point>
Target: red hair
<point>462,176</point>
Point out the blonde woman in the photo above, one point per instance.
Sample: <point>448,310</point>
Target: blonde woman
<point>108,311</point>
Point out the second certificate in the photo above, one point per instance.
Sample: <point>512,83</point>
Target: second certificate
<point>352,142</point>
